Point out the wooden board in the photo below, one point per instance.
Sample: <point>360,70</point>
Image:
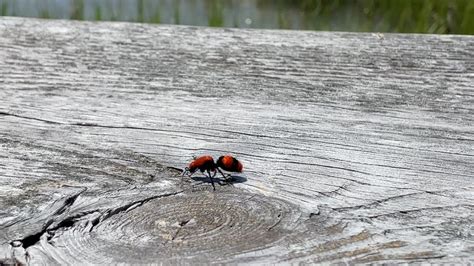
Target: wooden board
<point>356,147</point>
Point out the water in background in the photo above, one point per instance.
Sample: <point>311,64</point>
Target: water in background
<point>420,16</point>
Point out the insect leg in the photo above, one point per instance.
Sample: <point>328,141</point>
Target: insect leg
<point>223,175</point>
<point>210,177</point>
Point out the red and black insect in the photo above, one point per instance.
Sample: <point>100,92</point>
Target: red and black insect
<point>206,164</point>
<point>230,164</point>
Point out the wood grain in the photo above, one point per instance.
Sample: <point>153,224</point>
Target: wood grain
<point>357,148</point>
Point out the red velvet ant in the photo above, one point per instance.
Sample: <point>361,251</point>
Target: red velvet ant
<point>206,163</point>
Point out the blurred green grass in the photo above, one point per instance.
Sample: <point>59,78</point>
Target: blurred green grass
<point>406,16</point>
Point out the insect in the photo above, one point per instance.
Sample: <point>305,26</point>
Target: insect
<point>206,164</point>
<point>230,164</point>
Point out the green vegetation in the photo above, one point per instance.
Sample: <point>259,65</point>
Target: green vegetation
<point>4,9</point>
<point>98,13</point>
<point>408,16</point>
<point>77,11</point>
<point>156,18</point>
<point>176,14</point>
<point>44,14</point>
<point>216,19</point>
<point>140,8</point>
<point>414,16</point>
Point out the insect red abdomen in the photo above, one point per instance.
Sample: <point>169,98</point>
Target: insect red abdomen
<point>240,167</point>
<point>202,163</point>
<point>229,164</point>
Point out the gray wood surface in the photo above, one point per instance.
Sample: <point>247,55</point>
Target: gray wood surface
<point>356,147</point>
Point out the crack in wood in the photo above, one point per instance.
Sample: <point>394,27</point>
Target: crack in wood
<point>30,118</point>
<point>135,204</point>
<point>181,224</point>
<point>378,202</point>
<point>419,210</point>
<point>69,202</point>
<point>96,125</point>
<point>70,221</point>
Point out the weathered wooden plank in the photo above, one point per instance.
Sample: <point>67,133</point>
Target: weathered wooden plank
<point>356,147</point>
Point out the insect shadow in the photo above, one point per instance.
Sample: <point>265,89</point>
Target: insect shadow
<point>234,179</point>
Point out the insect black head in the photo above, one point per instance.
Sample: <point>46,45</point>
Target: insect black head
<point>186,171</point>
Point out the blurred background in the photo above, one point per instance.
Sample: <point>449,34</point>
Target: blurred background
<point>407,16</point>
